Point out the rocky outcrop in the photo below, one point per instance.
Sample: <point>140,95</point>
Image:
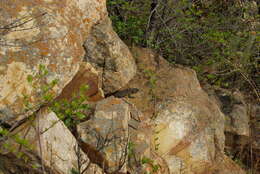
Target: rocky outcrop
<point>241,125</point>
<point>234,107</point>
<point>224,165</point>
<point>45,148</point>
<point>255,113</point>
<point>110,56</point>
<point>152,117</point>
<point>48,34</point>
<point>106,135</point>
<point>41,50</point>
<point>116,139</point>
<point>188,127</point>
<point>139,146</point>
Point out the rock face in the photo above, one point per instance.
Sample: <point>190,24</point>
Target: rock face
<point>234,107</point>
<point>106,134</point>
<point>45,136</point>
<point>188,129</point>
<point>241,125</point>
<point>255,111</point>
<point>44,33</point>
<point>153,118</point>
<point>86,75</point>
<point>139,146</point>
<point>106,52</point>
<point>226,166</point>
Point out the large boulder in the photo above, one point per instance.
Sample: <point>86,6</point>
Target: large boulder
<point>233,105</point>
<point>110,56</point>
<point>39,144</point>
<point>105,135</point>
<point>46,34</point>
<point>188,127</point>
<point>115,139</point>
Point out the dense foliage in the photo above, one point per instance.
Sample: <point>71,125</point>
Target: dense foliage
<point>218,39</point>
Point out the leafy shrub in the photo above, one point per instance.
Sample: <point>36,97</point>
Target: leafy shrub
<point>218,39</point>
<point>72,112</point>
<point>127,23</point>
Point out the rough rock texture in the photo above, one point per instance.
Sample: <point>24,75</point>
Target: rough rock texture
<point>188,126</point>
<point>47,32</point>
<point>139,146</point>
<point>10,164</point>
<point>106,134</point>
<point>255,112</point>
<point>240,123</point>
<point>233,105</point>
<point>139,143</point>
<point>52,144</point>
<point>224,165</point>
<point>163,123</point>
<point>110,56</point>
<point>86,75</point>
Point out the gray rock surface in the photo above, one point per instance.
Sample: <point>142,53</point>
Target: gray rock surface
<point>110,56</point>
<point>106,134</point>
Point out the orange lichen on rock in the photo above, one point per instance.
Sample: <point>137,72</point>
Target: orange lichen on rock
<point>14,83</point>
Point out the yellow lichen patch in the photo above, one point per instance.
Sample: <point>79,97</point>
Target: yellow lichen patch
<point>14,84</point>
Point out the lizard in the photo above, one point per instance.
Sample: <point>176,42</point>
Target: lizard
<point>123,93</point>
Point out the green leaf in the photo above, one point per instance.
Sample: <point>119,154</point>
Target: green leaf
<point>74,104</point>
<point>68,122</point>
<point>211,76</point>
<point>4,132</point>
<point>74,171</point>
<point>43,70</point>
<point>54,82</point>
<point>30,78</point>
<point>80,115</point>
<point>68,111</point>
<point>226,84</point>
<point>35,166</point>
<point>45,88</point>
<point>56,105</point>
<point>84,106</point>
<point>146,160</point>
<point>84,88</point>
<point>61,116</point>
<point>48,97</point>
<point>155,168</point>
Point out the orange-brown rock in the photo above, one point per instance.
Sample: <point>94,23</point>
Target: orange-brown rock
<point>86,75</point>
<point>42,32</point>
<point>188,129</point>
<point>110,56</point>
